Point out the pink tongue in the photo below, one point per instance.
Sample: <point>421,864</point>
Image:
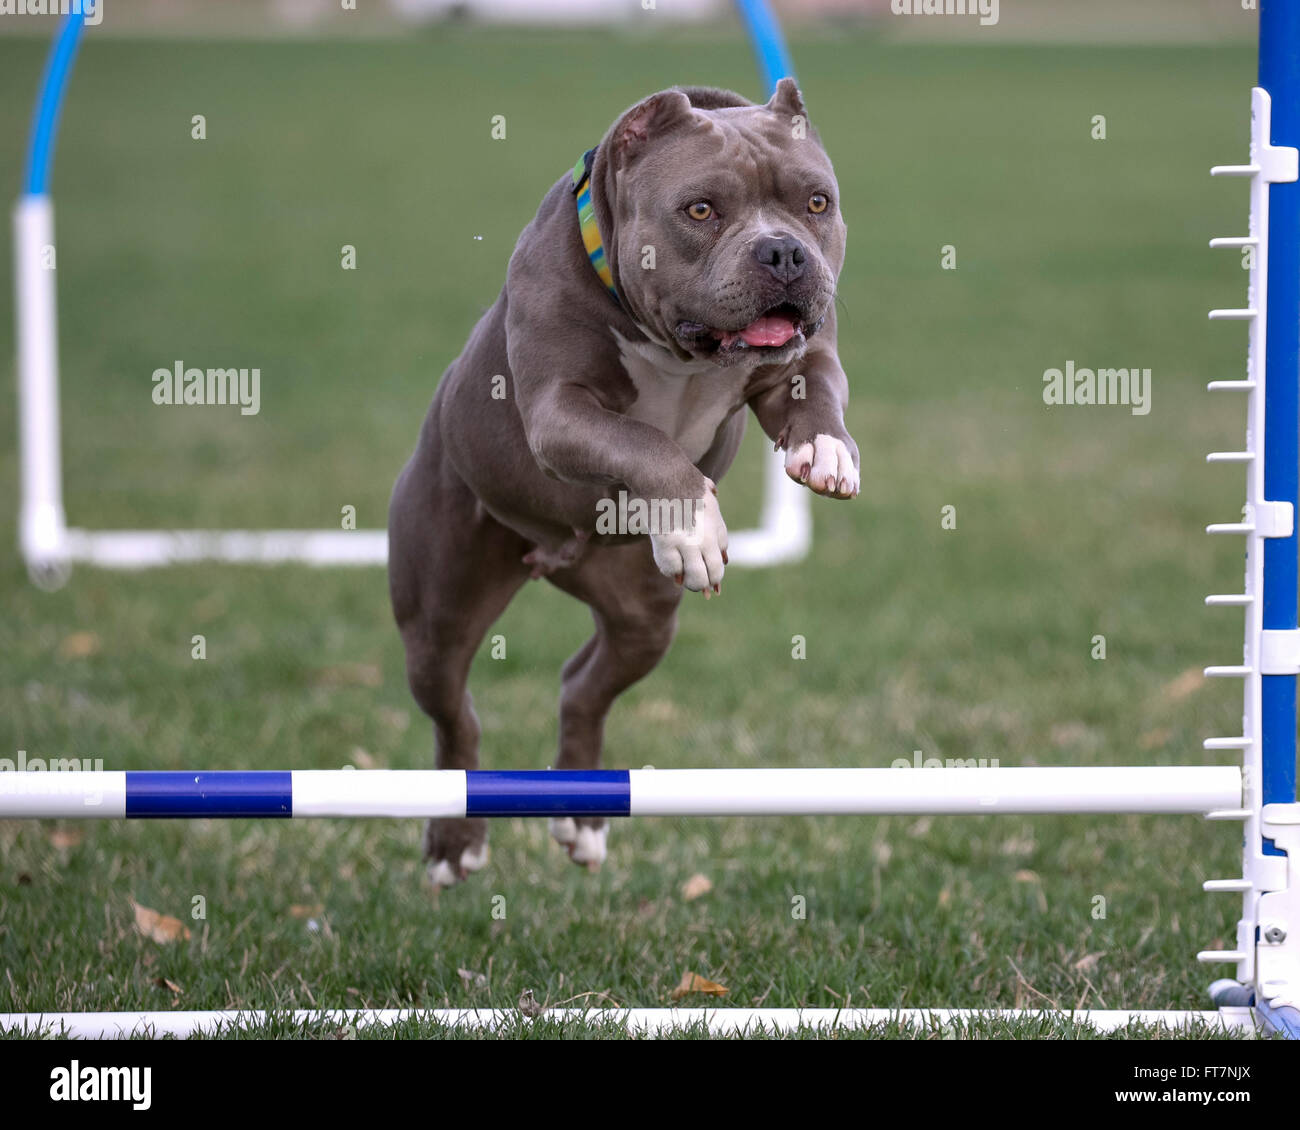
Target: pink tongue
<point>773,330</point>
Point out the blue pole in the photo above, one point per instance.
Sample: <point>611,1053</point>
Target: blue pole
<point>769,45</point>
<point>45,120</point>
<point>1279,74</point>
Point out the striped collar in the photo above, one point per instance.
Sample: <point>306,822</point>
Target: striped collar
<point>587,222</point>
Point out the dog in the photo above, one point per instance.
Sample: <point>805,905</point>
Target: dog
<point>686,268</point>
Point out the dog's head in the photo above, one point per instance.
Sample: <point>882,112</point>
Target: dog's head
<point>722,221</point>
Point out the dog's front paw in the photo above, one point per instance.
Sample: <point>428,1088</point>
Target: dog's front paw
<point>695,554</point>
<point>454,848</point>
<point>825,466</point>
<point>583,838</point>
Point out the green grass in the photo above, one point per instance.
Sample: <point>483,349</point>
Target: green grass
<point>972,642</point>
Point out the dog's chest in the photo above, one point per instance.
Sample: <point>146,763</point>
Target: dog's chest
<point>687,400</point>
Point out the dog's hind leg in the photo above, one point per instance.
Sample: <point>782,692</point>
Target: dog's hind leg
<point>452,570</point>
<point>635,610</point>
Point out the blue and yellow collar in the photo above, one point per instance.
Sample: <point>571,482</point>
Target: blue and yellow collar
<point>587,222</point>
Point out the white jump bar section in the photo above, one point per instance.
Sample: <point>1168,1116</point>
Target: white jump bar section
<point>645,1021</point>
<point>75,796</point>
<point>760,792</point>
<point>378,792</point>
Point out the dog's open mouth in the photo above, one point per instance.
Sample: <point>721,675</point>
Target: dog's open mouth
<point>774,329</point>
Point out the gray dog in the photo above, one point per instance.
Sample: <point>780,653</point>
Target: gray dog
<point>685,269</point>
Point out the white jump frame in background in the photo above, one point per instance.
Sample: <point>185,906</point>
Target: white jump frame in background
<point>1259,793</point>
<point>50,547</point>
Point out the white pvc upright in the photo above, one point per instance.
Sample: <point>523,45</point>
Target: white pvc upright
<point>1263,652</point>
<point>42,532</point>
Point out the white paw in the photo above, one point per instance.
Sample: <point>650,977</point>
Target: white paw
<point>585,845</point>
<point>443,874</point>
<point>563,830</point>
<point>824,466</point>
<point>695,555</point>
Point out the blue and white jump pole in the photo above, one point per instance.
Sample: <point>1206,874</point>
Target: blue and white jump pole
<point>1261,793</point>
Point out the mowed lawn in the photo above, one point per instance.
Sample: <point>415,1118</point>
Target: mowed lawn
<point>973,642</point>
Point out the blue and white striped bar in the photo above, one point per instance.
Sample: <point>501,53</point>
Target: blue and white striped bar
<point>1194,790</point>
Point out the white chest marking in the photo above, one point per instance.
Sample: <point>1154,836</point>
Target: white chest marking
<point>686,400</point>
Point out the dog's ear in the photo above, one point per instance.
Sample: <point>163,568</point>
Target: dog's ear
<point>787,101</point>
<point>647,120</point>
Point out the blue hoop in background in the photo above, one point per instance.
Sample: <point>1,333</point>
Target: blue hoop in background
<point>769,44</point>
<point>764,31</point>
<point>45,121</point>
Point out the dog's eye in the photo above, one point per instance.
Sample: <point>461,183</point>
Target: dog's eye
<point>700,210</point>
<point>818,203</point>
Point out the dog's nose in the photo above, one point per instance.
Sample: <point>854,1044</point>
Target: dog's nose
<point>782,255</point>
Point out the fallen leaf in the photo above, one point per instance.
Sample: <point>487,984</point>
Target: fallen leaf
<point>1026,877</point>
<point>470,979</point>
<point>1184,685</point>
<point>697,886</point>
<point>1067,734</point>
<point>399,720</point>
<point>79,645</point>
<point>1154,739</point>
<point>160,927</point>
<point>66,837</point>
<point>694,983</point>
<point>362,759</point>
<point>1088,961</point>
<point>657,710</point>
<point>163,983</point>
<point>299,910</point>
<point>349,675</point>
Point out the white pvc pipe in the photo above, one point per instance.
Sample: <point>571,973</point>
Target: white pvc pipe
<point>378,792</point>
<point>644,1021</point>
<point>785,533</point>
<point>756,792</point>
<point>41,522</point>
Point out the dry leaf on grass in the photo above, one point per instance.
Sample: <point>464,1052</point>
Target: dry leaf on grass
<point>298,910</point>
<point>1185,685</point>
<point>1088,961</point>
<point>66,837</point>
<point>1154,739</point>
<point>348,675</point>
<point>471,980</point>
<point>1026,877</point>
<point>163,983</point>
<point>694,983</point>
<point>529,1005</point>
<point>160,927</point>
<point>697,886</point>
<point>78,645</point>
